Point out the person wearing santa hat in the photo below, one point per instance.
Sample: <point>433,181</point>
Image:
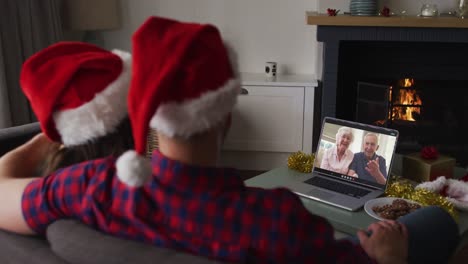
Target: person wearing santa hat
<point>185,85</point>
<point>78,93</point>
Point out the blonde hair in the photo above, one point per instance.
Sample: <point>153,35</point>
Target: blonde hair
<point>114,143</point>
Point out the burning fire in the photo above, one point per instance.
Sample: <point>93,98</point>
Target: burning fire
<point>408,102</point>
<point>407,82</point>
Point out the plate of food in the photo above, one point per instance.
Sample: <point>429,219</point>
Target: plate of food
<point>390,207</point>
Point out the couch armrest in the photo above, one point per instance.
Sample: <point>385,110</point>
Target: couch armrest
<point>13,137</point>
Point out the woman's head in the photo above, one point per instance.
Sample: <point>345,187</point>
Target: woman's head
<point>78,92</point>
<point>344,137</point>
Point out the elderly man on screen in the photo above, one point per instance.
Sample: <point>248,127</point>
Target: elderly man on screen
<point>367,165</point>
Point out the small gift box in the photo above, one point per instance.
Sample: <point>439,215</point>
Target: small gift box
<point>420,169</point>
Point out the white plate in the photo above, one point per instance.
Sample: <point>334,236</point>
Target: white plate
<point>380,202</point>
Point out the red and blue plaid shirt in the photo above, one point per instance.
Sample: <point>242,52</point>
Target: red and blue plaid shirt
<point>205,211</point>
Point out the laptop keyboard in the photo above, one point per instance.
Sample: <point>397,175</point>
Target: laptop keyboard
<point>337,187</point>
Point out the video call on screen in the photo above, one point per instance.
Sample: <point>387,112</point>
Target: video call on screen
<point>364,144</point>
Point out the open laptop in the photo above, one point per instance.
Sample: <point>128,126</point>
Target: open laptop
<point>338,188</point>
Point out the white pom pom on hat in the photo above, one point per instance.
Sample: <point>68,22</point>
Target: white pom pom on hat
<point>133,169</point>
<point>183,83</point>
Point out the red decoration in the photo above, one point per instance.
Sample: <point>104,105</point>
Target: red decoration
<point>385,11</point>
<point>464,178</point>
<point>332,12</point>
<point>443,192</point>
<point>429,152</point>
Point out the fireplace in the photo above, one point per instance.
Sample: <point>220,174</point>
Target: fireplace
<point>386,105</point>
<point>412,79</point>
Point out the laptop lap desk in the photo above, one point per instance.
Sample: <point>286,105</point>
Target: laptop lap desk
<point>334,186</point>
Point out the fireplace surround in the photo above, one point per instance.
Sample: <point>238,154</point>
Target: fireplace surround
<point>435,58</point>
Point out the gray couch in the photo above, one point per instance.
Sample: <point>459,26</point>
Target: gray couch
<point>69,241</point>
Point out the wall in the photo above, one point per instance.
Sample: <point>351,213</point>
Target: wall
<point>260,30</point>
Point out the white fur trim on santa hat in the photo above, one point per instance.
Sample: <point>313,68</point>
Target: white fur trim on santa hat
<point>457,192</point>
<point>101,115</point>
<point>133,169</point>
<point>196,115</point>
<point>433,186</point>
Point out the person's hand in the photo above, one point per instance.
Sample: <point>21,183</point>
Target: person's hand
<point>373,167</point>
<point>38,148</point>
<point>24,160</point>
<point>388,242</point>
<point>352,173</point>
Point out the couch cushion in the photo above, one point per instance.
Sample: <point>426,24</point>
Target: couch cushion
<point>77,243</point>
<point>19,249</point>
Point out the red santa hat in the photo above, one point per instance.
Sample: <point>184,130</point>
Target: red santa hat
<point>455,191</point>
<point>78,91</point>
<point>183,83</point>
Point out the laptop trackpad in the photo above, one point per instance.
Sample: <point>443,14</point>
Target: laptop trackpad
<point>320,194</point>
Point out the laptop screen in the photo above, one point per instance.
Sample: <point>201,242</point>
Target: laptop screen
<point>355,152</point>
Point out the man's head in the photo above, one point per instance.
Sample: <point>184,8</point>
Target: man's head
<point>370,144</point>
<point>184,84</point>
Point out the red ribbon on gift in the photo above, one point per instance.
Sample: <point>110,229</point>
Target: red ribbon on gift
<point>429,153</point>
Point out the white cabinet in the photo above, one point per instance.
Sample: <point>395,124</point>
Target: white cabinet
<point>267,118</point>
<point>272,119</point>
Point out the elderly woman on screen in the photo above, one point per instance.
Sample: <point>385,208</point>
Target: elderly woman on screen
<point>338,157</point>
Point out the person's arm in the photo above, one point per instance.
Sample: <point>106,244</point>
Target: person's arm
<point>17,169</point>
<point>352,168</point>
<point>325,164</point>
<point>387,243</point>
<point>373,167</point>
<point>25,160</point>
<point>11,215</point>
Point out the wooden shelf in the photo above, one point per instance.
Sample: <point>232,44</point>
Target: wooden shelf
<point>313,18</point>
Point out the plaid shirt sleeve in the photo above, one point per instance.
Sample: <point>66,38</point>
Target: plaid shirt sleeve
<point>56,196</point>
<point>297,236</point>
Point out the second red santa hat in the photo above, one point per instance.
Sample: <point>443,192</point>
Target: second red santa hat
<point>78,91</point>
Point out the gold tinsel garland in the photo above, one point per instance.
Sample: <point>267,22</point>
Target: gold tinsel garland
<point>301,162</point>
<point>402,188</point>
